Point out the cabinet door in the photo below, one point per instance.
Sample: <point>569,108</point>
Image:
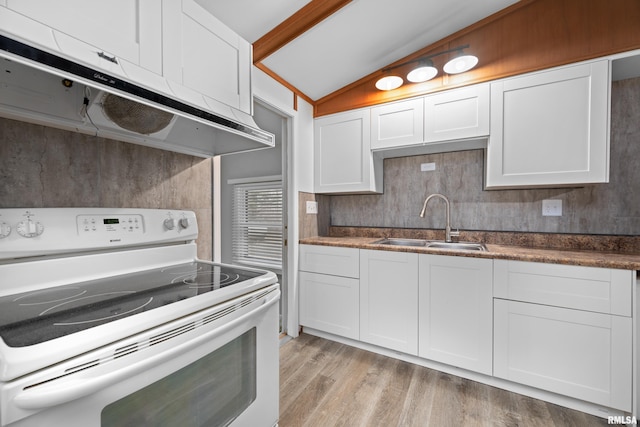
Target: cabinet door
<point>397,124</point>
<point>550,128</point>
<point>457,114</point>
<point>205,56</point>
<point>124,29</point>
<point>456,311</point>
<point>389,299</point>
<point>330,304</point>
<point>343,162</point>
<point>576,353</point>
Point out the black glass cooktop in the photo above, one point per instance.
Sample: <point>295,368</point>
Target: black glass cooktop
<point>35,317</point>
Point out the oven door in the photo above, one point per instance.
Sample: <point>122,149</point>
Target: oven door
<point>218,367</point>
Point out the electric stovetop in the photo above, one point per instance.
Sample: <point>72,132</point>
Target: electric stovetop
<point>35,317</point>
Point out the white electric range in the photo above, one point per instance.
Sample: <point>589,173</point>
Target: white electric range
<point>108,318</point>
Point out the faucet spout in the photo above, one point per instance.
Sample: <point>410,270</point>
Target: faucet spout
<point>447,230</point>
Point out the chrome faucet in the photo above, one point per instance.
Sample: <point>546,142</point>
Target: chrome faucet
<point>447,231</point>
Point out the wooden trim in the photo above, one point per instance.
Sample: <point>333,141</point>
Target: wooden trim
<point>530,35</point>
<point>311,14</point>
<point>286,84</point>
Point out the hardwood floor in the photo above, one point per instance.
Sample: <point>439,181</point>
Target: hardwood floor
<point>324,384</point>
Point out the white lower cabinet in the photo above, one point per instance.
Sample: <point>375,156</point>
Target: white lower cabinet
<point>456,311</point>
<point>389,300</point>
<point>564,338</point>
<point>560,328</point>
<point>330,290</point>
<point>330,304</point>
<point>575,353</point>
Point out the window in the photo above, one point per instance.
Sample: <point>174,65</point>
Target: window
<point>257,224</point>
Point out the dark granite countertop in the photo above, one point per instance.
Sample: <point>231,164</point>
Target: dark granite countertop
<point>626,260</point>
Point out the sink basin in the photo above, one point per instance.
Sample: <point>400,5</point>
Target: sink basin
<point>436,244</point>
<point>463,246</point>
<point>401,242</point>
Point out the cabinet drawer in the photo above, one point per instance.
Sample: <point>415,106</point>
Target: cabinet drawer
<point>332,260</point>
<point>601,290</point>
<point>575,353</point>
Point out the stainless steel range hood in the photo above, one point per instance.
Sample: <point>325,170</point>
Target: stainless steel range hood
<point>44,88</point>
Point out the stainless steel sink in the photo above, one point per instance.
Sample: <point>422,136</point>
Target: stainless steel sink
<point>436,244</point>
<point>463,246</point>
<point>401,242</point>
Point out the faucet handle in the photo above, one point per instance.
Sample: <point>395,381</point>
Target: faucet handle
<point>455,233</point>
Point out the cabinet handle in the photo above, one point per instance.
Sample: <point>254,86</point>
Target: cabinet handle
<point>107,57</point>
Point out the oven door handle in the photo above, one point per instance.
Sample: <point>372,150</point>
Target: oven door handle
<point>66,390</point>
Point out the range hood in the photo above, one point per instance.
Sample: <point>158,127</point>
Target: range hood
<point>40,87</point>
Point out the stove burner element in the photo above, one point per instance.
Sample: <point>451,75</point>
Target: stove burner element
<point>49,296</point>
<point>98,314</point>
<point>213,278</point>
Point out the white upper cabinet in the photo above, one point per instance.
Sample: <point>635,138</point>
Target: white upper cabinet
<point>457,114</point>
<point>550,128</point>
<point>343,161</point>
<point>204,56</point>
<point>100,34</point>
<point>452,115</point>
<point>397,124</point>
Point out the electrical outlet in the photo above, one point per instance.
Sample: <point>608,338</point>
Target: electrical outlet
<point>312,207</point>
<point>552,207</point>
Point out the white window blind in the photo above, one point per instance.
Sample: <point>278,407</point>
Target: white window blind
<point>257,224</point>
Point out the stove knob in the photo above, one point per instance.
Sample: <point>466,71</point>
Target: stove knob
<point>169,223</point>
<point>184,222</point>
<point>30,228</point>
<point>5,230</point>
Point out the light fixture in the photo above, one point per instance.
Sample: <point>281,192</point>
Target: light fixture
<point>460,64</point>
<point>389,82</point>
<point>425,70</point>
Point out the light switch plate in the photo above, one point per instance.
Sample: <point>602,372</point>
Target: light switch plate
<point>312,207</point>
<point>552,207</point>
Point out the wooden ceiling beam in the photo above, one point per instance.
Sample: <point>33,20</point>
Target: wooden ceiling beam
<point>311,14</point>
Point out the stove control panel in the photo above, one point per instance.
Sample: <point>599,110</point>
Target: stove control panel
<point>110,224</point>
<point>44,231</point>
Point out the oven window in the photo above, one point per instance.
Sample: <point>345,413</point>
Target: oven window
<point>212,391</point>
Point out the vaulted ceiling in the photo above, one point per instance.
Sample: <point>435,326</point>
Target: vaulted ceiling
<point>320,46</point>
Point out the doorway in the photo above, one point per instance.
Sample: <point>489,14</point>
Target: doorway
<point>259,176</point>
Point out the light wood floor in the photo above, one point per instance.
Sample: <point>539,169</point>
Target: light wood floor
<point>325,384</point>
